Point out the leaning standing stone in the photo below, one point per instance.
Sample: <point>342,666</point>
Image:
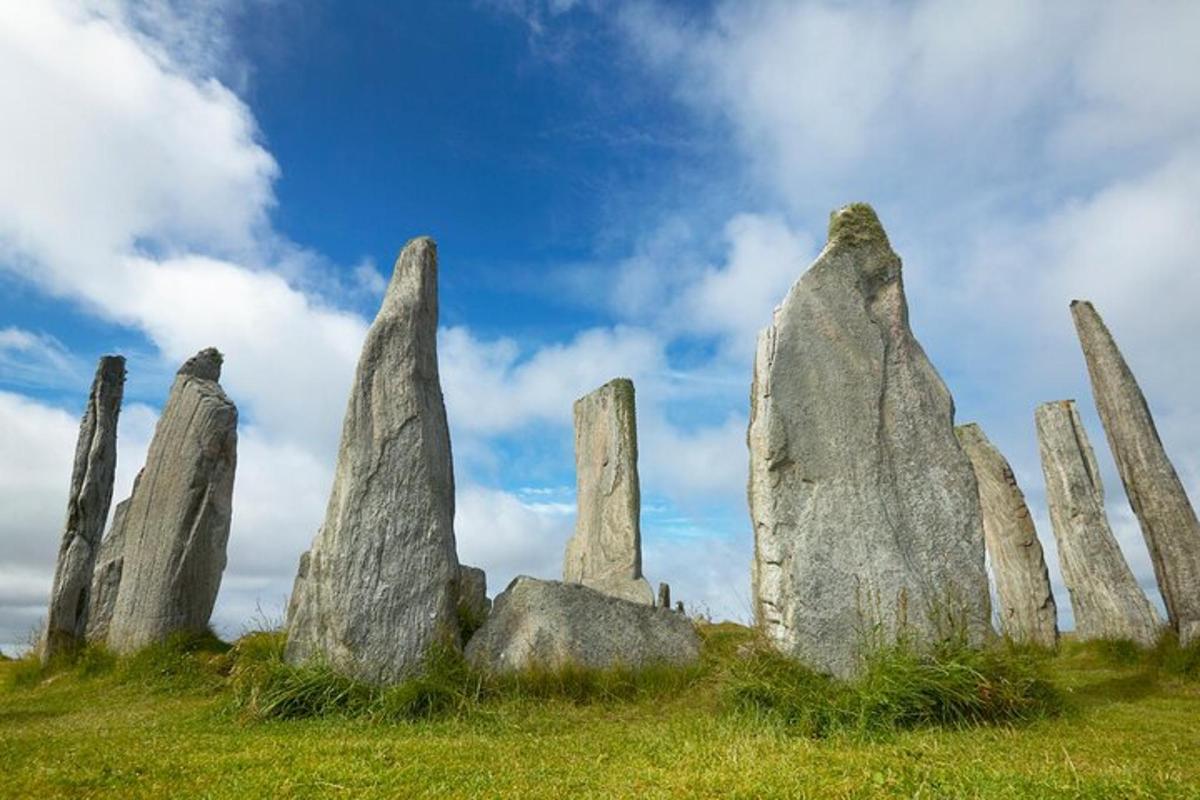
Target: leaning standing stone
<point>382,579</point>
<point>177,524</point>
<point>1155,492</point>
<point>1027,610</point>
<point>1106,599</point>
<point>606,551</point>
<point>87,510</point>
<point>864,507</point>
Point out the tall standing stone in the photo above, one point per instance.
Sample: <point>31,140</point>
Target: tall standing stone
<point>1155,492</point>
<point>176,526</point>
<point>1106,599</point>
<point>606,551</point>
<point>1027,610</point>
<point>382,579</point>
<point>865,510</point>
<point>87,510</point>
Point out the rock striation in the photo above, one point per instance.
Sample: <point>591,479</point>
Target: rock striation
<point>382,580</point>
<point>1154,490</point>
<point>605,552</point>
<point>175,528</point>
<point>1027,610</point>
<point>548,624</point>
<point>1106,599</point>
<point>87,510</point>
<point>864,507</point>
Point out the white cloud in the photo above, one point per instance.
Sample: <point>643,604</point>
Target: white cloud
<point>30,358</point>
<point>508,537</point>
<point>490,388</point>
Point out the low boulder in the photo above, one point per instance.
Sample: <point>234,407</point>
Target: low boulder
<point>537,623</point>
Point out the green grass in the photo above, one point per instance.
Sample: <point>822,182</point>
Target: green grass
<point>195,719</point>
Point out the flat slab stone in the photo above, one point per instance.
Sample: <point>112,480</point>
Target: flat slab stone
<point>381,586</point>
<point>605,552</point>
<point>1154,490</point>
<point>106,579</point>
<point>87,510</point>
<point>176,526</point>
<point>1028,613</point>
<point>1105,597</point>
<point>547,624</point>
<point>864,506</point>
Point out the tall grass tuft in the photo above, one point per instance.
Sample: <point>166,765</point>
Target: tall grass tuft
<point>266,687</point>
<point>952,685</point>
<point>1174,659</point>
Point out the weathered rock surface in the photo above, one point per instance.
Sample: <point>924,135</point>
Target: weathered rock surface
<point>865,510</point>
<point>605,552</point>
<point>87,510</point>
<point>176,525</point>
<point>1027,610</point>
<point>298,585</point>
<point>473,603</point>
<point>382,580</point>
<point>1106,599</point>
<point>664,595</point>
<point>550,624</point>
<point>106,578</point>
<point>1154,490</point>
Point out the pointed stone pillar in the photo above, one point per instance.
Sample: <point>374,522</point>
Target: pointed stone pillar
<point>1106,599</point>
<point>1027,610</point>
<point>864,507</point>
<point>606,551</point>
<point>1154,490</point>
<point>176,527</point>
<point>87,510</point>
<point>382,574</point>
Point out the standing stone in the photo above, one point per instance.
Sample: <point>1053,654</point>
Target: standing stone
<point>865,511</point>
<point>473,602</point>
<point>1155,492</point>
<point>107,577</point>
<point>382,580</point>
<point>87,510</point>
<point>1106,599</point>
<point>1027,610</point>
<point>606,551</point>
<point>664,595</point>
<point>177,523</point>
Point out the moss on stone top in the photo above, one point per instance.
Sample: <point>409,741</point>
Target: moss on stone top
<point>857,224</point>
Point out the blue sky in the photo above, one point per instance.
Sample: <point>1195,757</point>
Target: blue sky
<point>617,188</point>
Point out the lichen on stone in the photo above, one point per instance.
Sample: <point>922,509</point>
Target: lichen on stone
<point>857,224</point>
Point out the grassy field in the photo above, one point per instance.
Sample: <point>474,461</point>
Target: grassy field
<point>178,726</point>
